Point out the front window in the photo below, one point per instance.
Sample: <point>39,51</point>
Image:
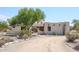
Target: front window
<point>49,28</point>
<point>41,28</point>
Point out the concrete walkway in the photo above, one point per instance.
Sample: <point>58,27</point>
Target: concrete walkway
<point>39,44</point>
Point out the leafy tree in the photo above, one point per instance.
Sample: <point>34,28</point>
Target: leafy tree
<point>3,26</point>
<point>27,17</point>
<point>12,21</point>
<point>76,24</point>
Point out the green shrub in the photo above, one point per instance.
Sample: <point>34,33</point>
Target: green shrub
<point>72,36</point>
<point>25,34</point>
<point>3,26</point>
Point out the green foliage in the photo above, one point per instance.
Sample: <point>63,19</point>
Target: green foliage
<point>72,36</point>
<point>3,26</point>
<point>12,21</point>
<point>76,24</point>
<point>26,18</point>
<point>25,33</point>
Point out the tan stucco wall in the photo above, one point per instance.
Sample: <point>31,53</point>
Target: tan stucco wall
<point>56,28</point>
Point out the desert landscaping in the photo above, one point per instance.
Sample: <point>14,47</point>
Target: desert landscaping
<point>29,32</point>
<point>40,43</point>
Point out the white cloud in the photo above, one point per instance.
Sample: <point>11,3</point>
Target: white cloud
<point>4,17</point>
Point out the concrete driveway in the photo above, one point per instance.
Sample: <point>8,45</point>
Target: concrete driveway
<point>41,43</point>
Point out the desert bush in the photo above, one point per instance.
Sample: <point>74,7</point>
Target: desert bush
<point>3,26</point>
<point>25,36</point>
<point>5,40</point>
<point>22,32</point>
<point>72,36</point>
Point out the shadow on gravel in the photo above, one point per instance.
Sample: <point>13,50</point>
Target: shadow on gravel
<point>76,48</point>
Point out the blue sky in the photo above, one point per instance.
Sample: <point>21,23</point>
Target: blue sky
<point>53,14</point>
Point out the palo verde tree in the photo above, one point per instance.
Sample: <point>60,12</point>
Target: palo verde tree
<point>27,17</point>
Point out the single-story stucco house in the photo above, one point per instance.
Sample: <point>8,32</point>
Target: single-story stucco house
<point>60,28</point>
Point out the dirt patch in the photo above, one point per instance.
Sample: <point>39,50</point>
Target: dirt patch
<point>74,45</point>
<point>41,43</point>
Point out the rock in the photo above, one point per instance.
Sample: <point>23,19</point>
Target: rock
<point>6,44</point>
<point>5,40</point>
